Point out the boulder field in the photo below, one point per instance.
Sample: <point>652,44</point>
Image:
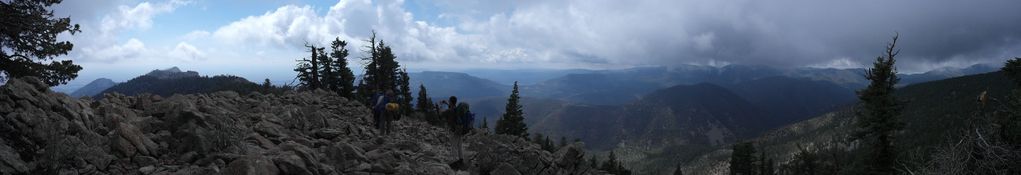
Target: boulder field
<point>318,132</point>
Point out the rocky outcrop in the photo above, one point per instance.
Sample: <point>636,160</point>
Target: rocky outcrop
<point>42,132</point>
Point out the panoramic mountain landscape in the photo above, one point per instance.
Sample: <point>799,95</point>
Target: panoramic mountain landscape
<point>510,87</point>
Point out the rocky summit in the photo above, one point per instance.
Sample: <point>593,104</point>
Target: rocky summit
<point>42,132</point>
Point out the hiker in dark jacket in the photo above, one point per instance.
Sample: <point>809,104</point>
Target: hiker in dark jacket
<point>459,120</point>
<point>378,106</point>
<point>390,113</point>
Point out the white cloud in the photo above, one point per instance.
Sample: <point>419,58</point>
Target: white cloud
<point>100,41</point>
<point>839,63</point>
<point>593,32</point>
<point>275,28</point>
<point>292,26</point>
<point>137,17</point>
<point>130,49</point>
<point>187,52</point>
<point>196,35</point>
<point>704,41</point>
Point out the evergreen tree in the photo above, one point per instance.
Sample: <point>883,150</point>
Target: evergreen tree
<point>593,162</point>
<point>805,162</point>
<point>28,42</point>
<point>1012,69</point>
<point>485,124</point>
<point>547,144</point>
<point>309,68</point>
<point>341,77</point>
<point>1010,123</point>
<point>677,171</point>
<point>878,120</point>
<point>328,78</point>
<point>382,70</point>
<point>425,104</point>
<point>512,122</point>
<point>266,84</point>
<point>537,138</point>
<point>742,160</point>
<point>363,92</point>
<point>405,92</point>
<point>611,164</point>
<point>563,141</point>
<point>765,164</point>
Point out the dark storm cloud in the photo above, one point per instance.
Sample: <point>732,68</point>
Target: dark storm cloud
<point>793,33</point>
<point>782,33</point>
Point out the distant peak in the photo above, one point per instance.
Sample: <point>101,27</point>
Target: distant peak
<point>171,73</point>
<point>103,80</point>
<point>172,69</point>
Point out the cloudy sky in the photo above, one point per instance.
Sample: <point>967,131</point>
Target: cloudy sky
<point>261,38</point>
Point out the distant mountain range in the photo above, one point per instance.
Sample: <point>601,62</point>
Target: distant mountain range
<point>793,99</point>
<point>171,73</point>
<point>612,87</point>
<point>172,81</point>
<point>658,114</point>
<point>95,87</point>
<point>933,112</point>
<point>446,84</point>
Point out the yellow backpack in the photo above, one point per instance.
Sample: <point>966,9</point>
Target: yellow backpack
<point>392,106</point>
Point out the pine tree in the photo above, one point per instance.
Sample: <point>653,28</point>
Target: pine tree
<point>547,144</point>
<point>611,164</point>
<point>363,91</point>
<point>1012,69</point>
<point>314,81</point>
<point>593,162</point>
<point>537,138</point>
<point>382,72</point>
<point>266,84</point>
<point>405,92</point>
<point>677,171</point>
<point>1010,123</point>
<point>765,165</point>
<point>309,69</point>
<point>563,141</point>
<point>512,122</point>
<point>878,120</point>
<point>28,42</point>
<point>742,160</point>
<point>342,78</point>
<point>328,78</point>
<point>425,105</point>
<point>485,124</point>
<point>805,162</point>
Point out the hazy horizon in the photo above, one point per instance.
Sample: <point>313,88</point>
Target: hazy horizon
<point>122,39</point>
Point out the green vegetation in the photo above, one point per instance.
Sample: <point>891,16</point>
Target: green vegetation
<point>744,162</point>
<point>1009,124</point>
<point>191,85</point>
<point>513,120</point>
<point>383,73</point>
<point>326,71</point>
<point>613,166</point>
<point>404,95</point>
<point>878,120</point>
<point>677,171</point>
<point>28,42</point>
<point>337,76</point>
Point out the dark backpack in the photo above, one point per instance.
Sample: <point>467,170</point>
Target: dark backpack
<point>379,106</point>
<point>468,119</point>
<point>464,118</point>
